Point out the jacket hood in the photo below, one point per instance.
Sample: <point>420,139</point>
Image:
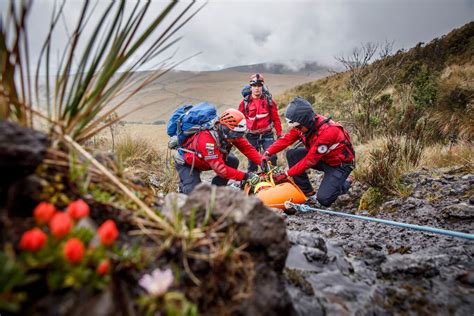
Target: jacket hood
<point>300,110</point>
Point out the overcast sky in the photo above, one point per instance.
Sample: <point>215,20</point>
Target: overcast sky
<point>239,32</point>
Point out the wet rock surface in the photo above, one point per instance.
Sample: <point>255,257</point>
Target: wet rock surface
<point>340,266</point>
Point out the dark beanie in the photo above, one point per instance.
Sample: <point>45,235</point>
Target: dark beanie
<point>300,110</point>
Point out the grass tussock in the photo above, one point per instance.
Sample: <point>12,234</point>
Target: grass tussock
<point>383,160</point>
<point>133,150</point>
<point>140,158</point>
<point>440,156</point>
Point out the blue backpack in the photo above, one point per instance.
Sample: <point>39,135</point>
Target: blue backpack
<point>191,119</point>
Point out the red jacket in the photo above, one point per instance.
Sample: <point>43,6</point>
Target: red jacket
<point>259,117</point>
<point>329,143</point>
<point>211,156</point>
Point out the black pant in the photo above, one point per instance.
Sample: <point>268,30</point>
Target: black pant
<point>189,177</point>
<point>334,181</point>
<point>261,142</point>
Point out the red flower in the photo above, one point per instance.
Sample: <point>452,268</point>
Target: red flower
<point>33,240</point>
<point>103,268</point>
<point>78,209</point>
<point>74,250</point>
<point>60,225</point>
<point>43,212</point>
<point>108,232</point>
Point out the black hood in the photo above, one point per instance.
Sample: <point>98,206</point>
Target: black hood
<point>299,110</point>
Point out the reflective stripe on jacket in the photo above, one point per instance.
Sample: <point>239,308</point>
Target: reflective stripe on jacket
<point>259,117</point>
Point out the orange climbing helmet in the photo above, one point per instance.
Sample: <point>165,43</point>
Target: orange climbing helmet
<point>234,120</point>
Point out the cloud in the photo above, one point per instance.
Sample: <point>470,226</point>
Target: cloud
<point>230,33</point>
<point>291,32</point>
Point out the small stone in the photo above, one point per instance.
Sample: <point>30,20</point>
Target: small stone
<point>391,204</point>
<point>314,254</point>
<point>409,266</point>
<point>460,211</point>
<point>467,278</point>
<point>173,201</point>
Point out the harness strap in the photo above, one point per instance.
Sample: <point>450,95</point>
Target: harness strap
<point>261,131</point>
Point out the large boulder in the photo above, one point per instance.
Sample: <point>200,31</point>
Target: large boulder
<point>264,233</point>
<point>21,151</point>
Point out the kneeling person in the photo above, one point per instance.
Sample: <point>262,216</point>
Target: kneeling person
<point>210,150</point>
<point>328,148</point>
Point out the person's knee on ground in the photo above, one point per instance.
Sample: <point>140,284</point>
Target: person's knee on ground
<point>189,178</point>
<point>325,200</point>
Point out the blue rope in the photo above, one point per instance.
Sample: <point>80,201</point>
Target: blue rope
<point>306,208</point>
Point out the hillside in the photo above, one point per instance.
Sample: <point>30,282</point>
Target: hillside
<point>308,69</point>
<point>221,88</point>
<point>433,78</point>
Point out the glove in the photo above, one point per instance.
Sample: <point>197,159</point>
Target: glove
<point>252,178</point>
<point>173,142</point>
<point>280,177</point>
<point>264,161</point>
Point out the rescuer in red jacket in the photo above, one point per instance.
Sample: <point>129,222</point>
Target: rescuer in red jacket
<point>261,114</point>
<point>210,150</point>
<point>328,148</point>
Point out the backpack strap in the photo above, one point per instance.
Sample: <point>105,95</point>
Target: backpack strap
<point>317,127</point>
<point>269,98</point>
<point>246,104</point>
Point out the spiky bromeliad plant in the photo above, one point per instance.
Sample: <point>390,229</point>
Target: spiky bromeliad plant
<point>95,73</point>
<point>94,77</point>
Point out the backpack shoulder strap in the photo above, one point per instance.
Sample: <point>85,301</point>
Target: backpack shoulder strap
<point>269,98</point>
<point>246,104</point>
<point>317,127</point>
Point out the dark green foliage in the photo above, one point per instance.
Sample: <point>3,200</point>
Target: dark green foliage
<point>425,90</point>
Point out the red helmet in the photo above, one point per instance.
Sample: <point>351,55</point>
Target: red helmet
<point>257,79</point>
<point>234,120</point>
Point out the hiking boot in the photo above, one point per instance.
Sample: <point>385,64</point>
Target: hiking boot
<point>350,179</point>
<point>290,211</point>
<point>312,201</point>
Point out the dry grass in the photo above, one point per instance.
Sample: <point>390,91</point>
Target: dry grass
<point>383,160</point>
<point>381,164</point>
<point>221,88</point>
<point>455,75</point>
<point>141,157</point>
<point>136,151</point>
<point>438,156</point>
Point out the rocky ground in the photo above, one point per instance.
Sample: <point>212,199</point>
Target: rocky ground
<point>340,266</point>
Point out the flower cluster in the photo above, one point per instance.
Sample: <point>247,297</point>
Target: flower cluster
<point>61,229</point>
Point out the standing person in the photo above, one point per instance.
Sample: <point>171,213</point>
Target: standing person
<point>261,113</point>
<point>210,150</point>
<point>328,148</point>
